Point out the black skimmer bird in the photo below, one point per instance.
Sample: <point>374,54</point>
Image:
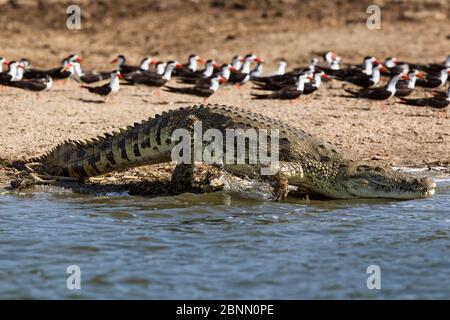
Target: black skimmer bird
<point>192,77</point>
<point>438,101</point>
<point>3,61</point>
<point>122,66</point>
<point>309,86</point>
<point>317,80</point>
<point>140,75</point>
<point>88,76</point>
<point>333,69</point>
<point>278,75</point>
<point>224,71</point>
<point>286,93</point>
<point>112,87</point>
<point>189,67</point>
<point>367,65</point>
<point>310,68</point>
<point>125,68</point>
<point>440,94</point>
<point>364,80</point>
<point>288,78</point>
<point>356,70</point>
<point>33,84</point>
<point>394,66</point>
<point>10,75</point>
<point>241,76</point>
<point>192,64</point>
<point>55,73</point>
<point>157,80</point>
<point>281,81</point>
<point>160,66</point>
<point>433,80</point>
<point>390,63</point>
<point>203,88</point>
<point>330,56</point>
<point>434,67</point>
<point>20,71</point>
<point>281,68</point>
<point>257,70</point>
<point>405,88</point>
<point>381,93</point>
<point>236,62</point>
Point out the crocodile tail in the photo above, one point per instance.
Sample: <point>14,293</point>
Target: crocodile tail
<point>62,159</point>
<point>144,143</point>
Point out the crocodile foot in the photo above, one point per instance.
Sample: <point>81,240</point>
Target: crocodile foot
<point>280,186</point>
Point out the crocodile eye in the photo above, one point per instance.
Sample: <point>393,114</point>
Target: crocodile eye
<point>363,168</point>
<point>378,169</point>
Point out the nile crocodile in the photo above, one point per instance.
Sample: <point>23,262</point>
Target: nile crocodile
<point>304,161</point>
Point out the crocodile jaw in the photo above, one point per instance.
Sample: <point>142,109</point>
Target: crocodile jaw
<point>376,182</point>
<point>365,189</point>
<point>354,180</point>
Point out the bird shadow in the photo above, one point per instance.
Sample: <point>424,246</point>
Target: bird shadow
<point>347,96</point>
<point>164,103</point>
<point>139,95</point>
<point>91,101</point>
<point>61,90</point>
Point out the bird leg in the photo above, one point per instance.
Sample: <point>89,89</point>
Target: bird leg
<point>440,114</point>
<point>308,98</point>
<point>158,92</point>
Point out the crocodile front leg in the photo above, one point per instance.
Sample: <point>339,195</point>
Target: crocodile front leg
<point>280,186</point>
<point>182,178</point>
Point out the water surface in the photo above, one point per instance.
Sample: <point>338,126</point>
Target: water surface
<point>222,246</point>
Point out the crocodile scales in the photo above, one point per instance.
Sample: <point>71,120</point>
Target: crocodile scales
<point>304,160</point>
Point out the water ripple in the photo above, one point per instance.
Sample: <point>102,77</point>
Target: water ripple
<point>222,246</point>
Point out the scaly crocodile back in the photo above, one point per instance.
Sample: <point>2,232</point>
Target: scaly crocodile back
<point>149,142</point>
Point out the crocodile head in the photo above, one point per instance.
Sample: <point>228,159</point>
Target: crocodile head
<point>366,181</point>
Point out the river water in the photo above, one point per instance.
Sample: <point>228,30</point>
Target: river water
<point>222,246</point>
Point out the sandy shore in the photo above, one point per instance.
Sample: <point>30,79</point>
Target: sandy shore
<point>395,134</point>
